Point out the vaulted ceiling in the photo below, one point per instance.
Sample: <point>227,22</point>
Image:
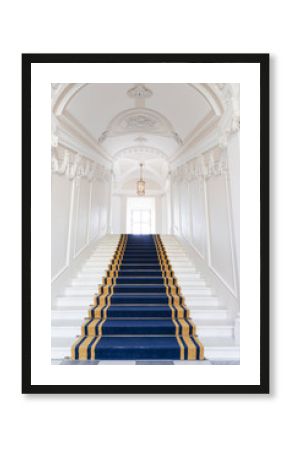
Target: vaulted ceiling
<point>133,123</point>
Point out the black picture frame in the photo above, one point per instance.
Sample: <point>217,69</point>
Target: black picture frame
<point>263,61</point>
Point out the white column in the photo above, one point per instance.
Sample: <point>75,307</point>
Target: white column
<point>208,248</point>
<point>70,224</point>
<point>109,224</point>
<point>89,214</point>
<point>171,230</point>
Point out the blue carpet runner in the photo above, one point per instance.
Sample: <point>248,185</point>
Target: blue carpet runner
<point>139,312</point>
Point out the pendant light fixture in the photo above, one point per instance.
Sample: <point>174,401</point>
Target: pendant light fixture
<point>141,183</point>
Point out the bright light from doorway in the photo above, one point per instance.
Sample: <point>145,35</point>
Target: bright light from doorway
<point>141,215</point>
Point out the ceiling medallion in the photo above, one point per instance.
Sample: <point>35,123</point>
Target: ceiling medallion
<point>141,183</point>
<point>139,91</point>
<point>139,121</point>
<point>140,139</point>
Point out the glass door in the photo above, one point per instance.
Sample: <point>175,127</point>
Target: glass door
<point>141,221</point>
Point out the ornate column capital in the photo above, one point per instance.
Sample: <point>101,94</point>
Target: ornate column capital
<point>74,165</point>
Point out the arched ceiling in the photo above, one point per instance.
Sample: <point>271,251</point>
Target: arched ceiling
<point>96,105</point>
<point>133,123</point>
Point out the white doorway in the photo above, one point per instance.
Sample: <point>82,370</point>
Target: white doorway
<point>141,215</point>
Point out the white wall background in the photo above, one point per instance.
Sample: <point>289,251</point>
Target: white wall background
<point>61,193</point>
<point>198,220</point>
<point>206,215</point>
<point>79,216</point>
<point>220,246</point>
<point>223,422</point>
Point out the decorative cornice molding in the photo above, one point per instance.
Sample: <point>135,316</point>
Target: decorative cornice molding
<point>139,91</point>
<point>140,152</point>
<point>231,98</point>
<point>211,163</point>
<point>69,124</point>
<point>140,139</point>
<point>74,165</point>
<point>136,120</point>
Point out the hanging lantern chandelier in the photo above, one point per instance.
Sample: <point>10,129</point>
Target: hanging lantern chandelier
<point>141,183</point>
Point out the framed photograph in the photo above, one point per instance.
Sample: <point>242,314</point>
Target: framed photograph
<point>145,223</point>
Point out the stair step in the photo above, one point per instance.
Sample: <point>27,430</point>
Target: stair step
<point>181,265</point>
<point>190,282</point>
<point>199,290</point>
<point>214,328</point>
<point>94,269</point>
<point>222,351</point>
<point>201,300</point>
<point>80,312</point>
<point>87,281</point>
<point>69,314</point>
<point>81,290</point>
<point>189,275</point>
<point>91,276</point>
<point>208,313</point>
<point>99,265</point>
<point>84,300</point>
<point>74,300</point>
<point>72,328</point>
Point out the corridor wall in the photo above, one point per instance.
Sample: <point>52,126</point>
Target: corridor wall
<point>79,215</point>
<point>206,213</point>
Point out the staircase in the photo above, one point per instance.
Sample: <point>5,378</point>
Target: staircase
<point>214,327</point>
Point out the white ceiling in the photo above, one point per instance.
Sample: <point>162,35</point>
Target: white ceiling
<point>96,105</point>
<point>130,132</point>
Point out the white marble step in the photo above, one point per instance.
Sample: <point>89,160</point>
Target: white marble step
<point>67,330</point>
<point>179,258</point>
<point>106,246</point>
<point>90,276</point>
<point>215,349</point>
<point>221,349</point>
<point>100,255</point>
<point>102,252</point>
<point>201,300</point>
<point>174,253</point>
<point>208,313</point>
<point>172,246</point>
<point>94,269</point>
<point>182,265</point>
<point>190,282</point>
<point>74,300</point>
<point>213,328</point>
<point>99,260</point>
<point>94,281</point>
<point>90,282</point>
<point>92,289</point>
<point>97,265</point>
<point>81,290</point>
<point>198,290</point>
<point>85,300</point>
<point>187,270</point>
<point>79,313</point>
<point>180,275</point>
